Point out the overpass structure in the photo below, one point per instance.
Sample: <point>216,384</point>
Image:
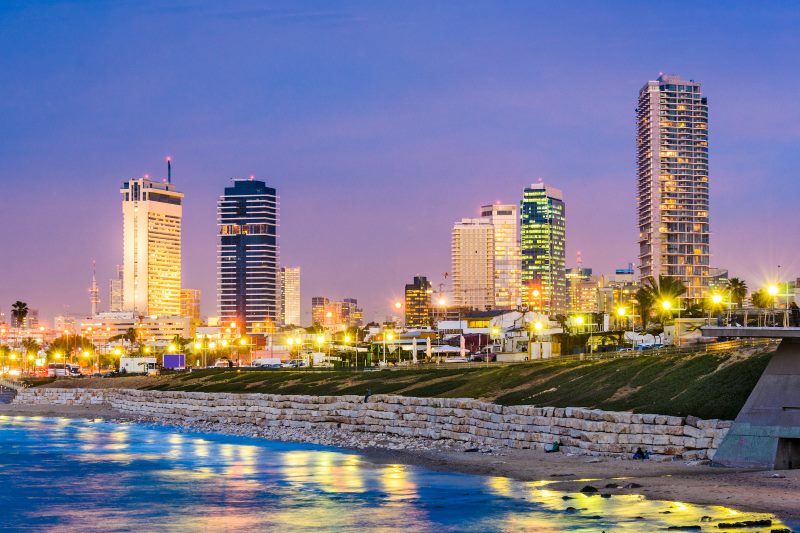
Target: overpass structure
<point>766,432</point>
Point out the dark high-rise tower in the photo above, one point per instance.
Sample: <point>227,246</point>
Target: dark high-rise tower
<point>418,303</point>
<point>247,257</point>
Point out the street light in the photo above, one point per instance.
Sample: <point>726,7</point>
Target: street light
<point>666,305</point>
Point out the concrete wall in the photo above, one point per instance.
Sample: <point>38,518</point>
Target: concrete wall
<point>581,431</point>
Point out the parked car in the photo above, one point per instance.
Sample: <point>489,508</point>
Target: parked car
<point>482,357</point>
<point>294,363</point>
<point>456,359</point>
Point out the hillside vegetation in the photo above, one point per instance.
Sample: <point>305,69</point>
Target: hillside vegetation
<point>713,385</point>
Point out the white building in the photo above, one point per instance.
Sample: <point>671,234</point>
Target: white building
<point>290,296</point>
<point>473,263</point>
<point>507,259</point>
<point>151,214</point>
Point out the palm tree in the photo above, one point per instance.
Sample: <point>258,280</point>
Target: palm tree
<point>665,289</point>
<point>19,312</point>
<point>645,302</point>
<point>737,290</point>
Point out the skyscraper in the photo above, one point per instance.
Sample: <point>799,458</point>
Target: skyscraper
<point>473,263</point>
<point>542,245</point>
<point>290,296</point>
<point>247,257</point>
<point>418,303</point>
<point>507,264</point>
<point>672,168</point>
<point>151,224</point>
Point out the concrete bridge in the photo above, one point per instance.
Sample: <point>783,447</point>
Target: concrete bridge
<point>766,432</point>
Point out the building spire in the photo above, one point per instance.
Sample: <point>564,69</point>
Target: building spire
<point>169,169</point>
<point>94,291</point>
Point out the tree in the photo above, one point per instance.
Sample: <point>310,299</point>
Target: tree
<point>762,300</point>
<point>19,312</point>
<point>645,302</point>
<point>31,346</point>
<point>666,289</point>
<point>737,291</point>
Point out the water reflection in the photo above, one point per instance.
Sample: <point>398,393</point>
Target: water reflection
<point>93,476</point>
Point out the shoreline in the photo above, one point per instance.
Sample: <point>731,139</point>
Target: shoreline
<point>685,481</point>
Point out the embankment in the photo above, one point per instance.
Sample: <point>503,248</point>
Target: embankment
<point>466,421</point>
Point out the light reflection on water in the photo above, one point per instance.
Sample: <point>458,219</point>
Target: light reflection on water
<point>58,474</point>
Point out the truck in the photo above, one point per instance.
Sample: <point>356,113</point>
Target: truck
<point>139,365</point>
<point>175,361</point>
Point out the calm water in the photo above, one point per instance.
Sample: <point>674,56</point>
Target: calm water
<point>58,474</point>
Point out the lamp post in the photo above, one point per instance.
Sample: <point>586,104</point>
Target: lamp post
<point>716,299</point>
<point>347,343</point>
<point>320,344</point>
<point>772,290</point>
<point>537,327</point>
<point>495,333</point>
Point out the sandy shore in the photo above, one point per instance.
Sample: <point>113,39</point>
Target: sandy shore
<point>757,491</point>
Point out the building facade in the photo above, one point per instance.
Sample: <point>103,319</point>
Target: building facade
<point>190,307</point>
<point>672,168</point>
<point>581,290</point>
<point>418,295</point>
<point>247,257</point>
<point>543,249</point>
<point>151,225</point>
<point>507,261</point>
<point>290,296</point>
<point>336,315</point>
<point>115,291</point>
<point>473,274</point>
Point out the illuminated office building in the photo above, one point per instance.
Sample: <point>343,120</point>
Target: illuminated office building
<point>507,263</point>
<point>151,224</point>
<point>472,253</point>
<point>247,257</point>
<point>418,303</point>
<point>290,296</point>
<point>542,246</point>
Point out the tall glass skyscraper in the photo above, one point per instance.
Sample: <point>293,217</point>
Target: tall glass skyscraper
<point>542,244</point>
<point>247,257</point>
<point>672,168</point>
<point>151,226</point>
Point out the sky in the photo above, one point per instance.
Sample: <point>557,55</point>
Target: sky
<point>380,123</point>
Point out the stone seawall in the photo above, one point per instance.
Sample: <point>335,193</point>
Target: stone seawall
<point>472,422</point>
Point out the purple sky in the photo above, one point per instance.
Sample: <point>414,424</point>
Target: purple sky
<point>380,123</point>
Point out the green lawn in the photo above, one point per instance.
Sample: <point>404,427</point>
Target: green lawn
<point>705,385</point>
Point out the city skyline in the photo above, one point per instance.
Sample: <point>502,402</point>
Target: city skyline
<point>71,226</point>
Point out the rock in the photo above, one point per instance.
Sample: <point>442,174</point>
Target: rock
<point>613,486</point>
<point>588,489</point>
<point>633,486</point>
<point>744,524</point>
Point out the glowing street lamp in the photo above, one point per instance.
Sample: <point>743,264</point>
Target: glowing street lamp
<point>172,348</point>
<point>772,290</point>
<point>621,311</point>
<point>716,298</point>
<point>398,305</point>
<point>666,305</point>
<point>538,326</point>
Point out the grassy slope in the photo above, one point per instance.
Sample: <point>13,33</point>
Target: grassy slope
<point>707,385</point>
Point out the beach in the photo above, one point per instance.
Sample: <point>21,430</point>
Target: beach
<point>685,481</point>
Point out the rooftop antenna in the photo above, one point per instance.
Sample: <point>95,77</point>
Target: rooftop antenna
<point>579,259</point>
<point>169,169</point>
